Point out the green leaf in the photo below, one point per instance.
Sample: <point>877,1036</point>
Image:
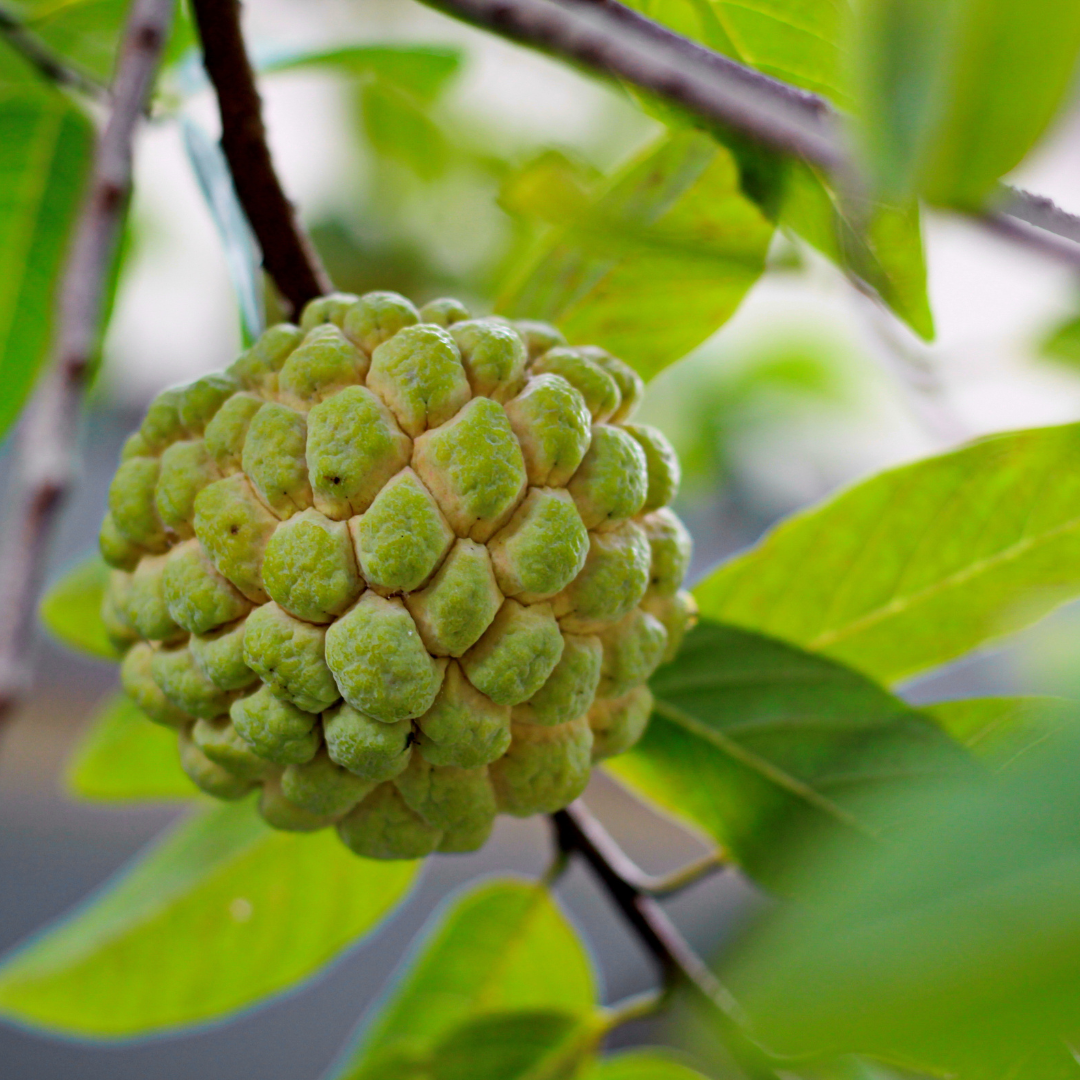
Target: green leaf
<point>43,162</point>
<point>1063,343</point>
<point>887,253</point>
<point>125,756</point>
<point>797,41</point>
<point>522,1045</point>
<point>71,609</point>
<point>919,564</point>
<point>1002,729</point>
<point>641,1065</point>
<point>423,71</point>
<point>398,127</point>
<point>222,914</point>
<point>501,946</point>
<point>954,947</point>
<point>672,224</point>
<point>954,93</point>
<point>754,742</point>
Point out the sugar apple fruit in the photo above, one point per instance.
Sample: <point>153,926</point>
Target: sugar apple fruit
<point>400,569</point>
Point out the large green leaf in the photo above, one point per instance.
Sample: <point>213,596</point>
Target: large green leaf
<point>653,264</point>
<point>222,914</point>
<point>502,946</point>
<point>919,564</point>
<point>797,41</point>
<point>1001,730</point>
<point>125,756</point>
<point>641,1065</point>
<point>955,946</point>
<point>43,161</point>
<point>887,252</point>
<point>953,93</point>
<point>71,609</point>
<point>755,741</point>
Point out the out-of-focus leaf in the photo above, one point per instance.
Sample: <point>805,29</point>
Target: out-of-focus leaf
<point>754,742</point>
<point>887,254</point>
<point>641,1065</point>
<point>125,757</point>
<point>422,70</point>
<point>501,946</point>
<point>655,263</point>
<point>954,93</point>
<point>44,154</point>
<point>919,564</point>
<point>1000,730</point>
<point>221,915</point>
<point>797,41</point>
<point>241,249</point>
<point>1063,343</point>
<point>398,127</point>
<point>71,609</point>
<point>954,947</point>
<point>522,1045</point>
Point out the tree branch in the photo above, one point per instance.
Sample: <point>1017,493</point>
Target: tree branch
<point>48,64</point>
<point>44,463</point>
<point>288,255</point>
<point>577,831</point>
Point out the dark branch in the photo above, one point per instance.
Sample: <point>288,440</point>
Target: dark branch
<point>578,831</point>
<point>616,41</point>
<point>288,255</point>
<point>53,67</point>
<point>44,463</point>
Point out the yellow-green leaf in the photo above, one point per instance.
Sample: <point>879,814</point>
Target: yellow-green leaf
<point>71,609</point>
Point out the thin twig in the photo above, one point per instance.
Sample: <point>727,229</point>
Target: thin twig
<point>660,885</point>
<point>1040,211</point>
<point>44,463</point>
<point>288,255</point>
<point>1043,241</point>
<point>53,67</point>
<point>637,1007</point>
<point>578,831</point>
<point>706,83</point>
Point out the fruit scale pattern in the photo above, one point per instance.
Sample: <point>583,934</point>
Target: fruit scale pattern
<point>400,569</point>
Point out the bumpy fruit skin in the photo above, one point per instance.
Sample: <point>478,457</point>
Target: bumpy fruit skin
<point>399,569</point>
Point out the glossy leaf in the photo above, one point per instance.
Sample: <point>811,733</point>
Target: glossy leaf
<point>797,41</point>
<point>43,161</point>
<point>1001,730</point>
<point>955,946</point>
<point>423,71</point>
<point>653,264</point>
<point>501,946</point>
<point>954,93</point>
<point>242,254</point>
<point>887,254</point>
<point>71,609</point>
<point>919,564</point>
<point>218,917</point>
<point>125,756</point>
<point>754,741</point>
<point>641,1065</point>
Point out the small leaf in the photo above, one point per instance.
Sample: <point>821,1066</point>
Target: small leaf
<point>753,741</point>
<point>1001,730</point>
<point>398,127</point>
<point>501,946</point>
<point>887,254</point>
<point>242,254</point>
<point>219,916</point>
<point>44,157</point>
<point>954,93</point>
<point>641,1065</point>
<point>1063,343</point>
<point>421,70</point>
<point>672,224</point>
<point>125,756</point>
<point>71,609</point>
<point>522,1045</point>
<point>919,564</point>
<point>953,948</point>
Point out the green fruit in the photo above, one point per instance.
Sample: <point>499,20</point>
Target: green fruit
<point>401,569</point>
